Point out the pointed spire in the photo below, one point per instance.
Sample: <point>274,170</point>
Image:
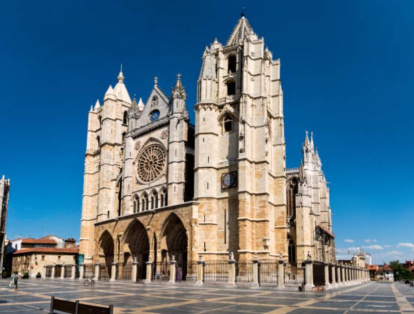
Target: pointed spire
<point>121,76</point>
<point>178,88</point>
<point>306,139</point>
<point>240,32</point>
<point>134,103</point>
<point>311,141</point>
<point>140,104</point>
<point>91,108</point>
<point>97,105</point>
<point>120,90</point>
<point>110,91</point>
<point>155,81</point>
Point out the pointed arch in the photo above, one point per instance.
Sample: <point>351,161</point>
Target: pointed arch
<point>174,241</point>
<point>144,202</point>
<point>154,202</point>
<point>106,250</point>
<point>163,197</point>
<point>137,242</point>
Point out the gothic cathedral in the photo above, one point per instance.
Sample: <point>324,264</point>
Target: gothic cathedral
<point>157,187</point>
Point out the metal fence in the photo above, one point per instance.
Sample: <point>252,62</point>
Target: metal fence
<point>191,272</point>
<point>318,274</point>
<point>89,270</point>
<point>268,273</point>
<point>244,272</point>
<point>104,272</point>
<point>161,271</point>
<point>293,284</point>
<point>126,271</point>
<point>48,271</point>
<point>216,271</point>
<point>68,271</point>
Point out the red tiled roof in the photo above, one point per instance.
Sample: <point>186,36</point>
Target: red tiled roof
<point>387,268</point>
<point>72,250</point>
<point>372,267</point>
<point>38,241</point>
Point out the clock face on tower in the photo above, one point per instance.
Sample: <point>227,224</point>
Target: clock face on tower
<point>229,180</point>
<point>154,115</point>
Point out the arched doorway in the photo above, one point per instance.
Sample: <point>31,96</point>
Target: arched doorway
<point>174,242</point>
<point>106,254</point>
<point>138,244</point>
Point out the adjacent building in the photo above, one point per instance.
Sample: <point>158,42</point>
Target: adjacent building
<point>4,199</point>
<point>35,254</point>
<point>157,187</point>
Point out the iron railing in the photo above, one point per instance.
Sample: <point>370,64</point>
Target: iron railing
<point>268,273</point>
<point>126,272</point>
<point>244,272</point>
<point>216,271</point>
<point>104,272</point>
<point>89,270</point>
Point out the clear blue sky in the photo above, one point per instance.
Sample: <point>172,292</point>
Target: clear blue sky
<point>347,71</point>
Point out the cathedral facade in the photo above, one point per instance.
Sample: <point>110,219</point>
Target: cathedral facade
<point>156,186</point>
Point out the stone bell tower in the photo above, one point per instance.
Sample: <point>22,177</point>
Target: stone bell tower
<point>240,149</point>
<point>107,126</point>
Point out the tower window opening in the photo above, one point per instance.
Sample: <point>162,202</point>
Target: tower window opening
<point>228,123</point>
<point>125,120</point>
<point>123,137</point>
<point>232,64</point>
<point>98,141</point>
<point>231,88</point>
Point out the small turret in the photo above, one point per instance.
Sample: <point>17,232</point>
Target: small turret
<point>140,105</point>
<point>97,105</point>
<point>109,93</point>
<point>178,96</point>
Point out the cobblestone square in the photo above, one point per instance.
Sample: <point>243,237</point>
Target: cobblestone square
<point>34,297</point>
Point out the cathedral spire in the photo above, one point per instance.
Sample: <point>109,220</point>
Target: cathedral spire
<point>121,76</point>
<point>120,90</point>
<point>311,141</point>
<point>240,32</point>
<point>306,143</point>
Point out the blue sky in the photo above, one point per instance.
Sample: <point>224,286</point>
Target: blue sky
<point>347,72</point>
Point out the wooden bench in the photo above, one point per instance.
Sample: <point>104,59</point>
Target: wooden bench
<point>78,308</point>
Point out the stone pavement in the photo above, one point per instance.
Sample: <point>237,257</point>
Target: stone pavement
<point>34,297</point>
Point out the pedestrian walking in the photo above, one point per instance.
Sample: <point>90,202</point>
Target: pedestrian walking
<point>15,281</point>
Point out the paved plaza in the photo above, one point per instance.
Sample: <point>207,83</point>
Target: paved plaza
<point>34,297</point>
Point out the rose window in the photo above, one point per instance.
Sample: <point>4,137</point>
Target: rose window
<point>151,162</point>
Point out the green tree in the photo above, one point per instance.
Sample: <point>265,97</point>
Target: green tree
<point>400,273</point>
